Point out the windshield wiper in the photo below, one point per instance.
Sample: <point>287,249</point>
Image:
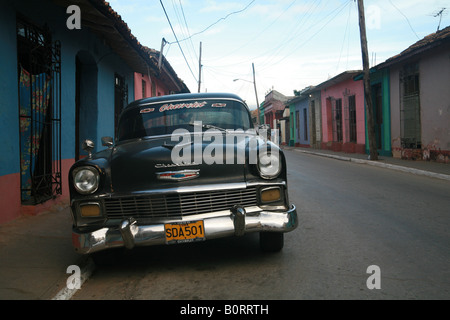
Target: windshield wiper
<point>209,126</point>
<point>180,145</point>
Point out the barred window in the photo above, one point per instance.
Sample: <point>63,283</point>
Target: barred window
<point>352,118</point>
<point>39,86</point>
<point>410,107</point>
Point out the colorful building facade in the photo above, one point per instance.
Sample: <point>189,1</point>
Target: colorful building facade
<point>158,81</point>
<point>300,121</point>
<point>343,115</point>
<point>419,99</point>
<point>274,104</point>
<point>59,86</point>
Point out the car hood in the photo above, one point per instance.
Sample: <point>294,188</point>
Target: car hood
<point>134,165</point>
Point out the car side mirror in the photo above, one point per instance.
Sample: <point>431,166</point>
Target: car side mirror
<point>88,146</point>
<point>107,141</point>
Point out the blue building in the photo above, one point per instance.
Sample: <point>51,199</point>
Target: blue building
<point>299,121</point>
<point>59,85</point>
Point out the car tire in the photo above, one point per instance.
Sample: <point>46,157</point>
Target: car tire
<point>271,241</point>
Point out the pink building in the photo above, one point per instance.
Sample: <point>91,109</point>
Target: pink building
<point>274,105</point>
<point>159,81</point>
<point>145,86</point>
<point>343,116</point>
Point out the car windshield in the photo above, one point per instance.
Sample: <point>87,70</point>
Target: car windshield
<point>164,118</point>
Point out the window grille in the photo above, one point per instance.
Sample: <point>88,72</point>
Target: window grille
<point>352,118</point>
<point>410,107</point>
<point>144,89</point>
<point>337,120</point>
<point>39,86</point>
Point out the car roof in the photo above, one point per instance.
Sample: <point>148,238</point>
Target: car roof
<point>185,96</point>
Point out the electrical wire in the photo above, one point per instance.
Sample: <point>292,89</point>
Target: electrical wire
<point>295,49</point>
<point>184,29</point>
<point>407,20</point>
<point>183,32</point>
<point>293,33</point>
<point>345,36</point>
<point>181,49</point>
<point>254,38</point>
<point>303,26</point>
<point>187,29</point>
<point>221,19</point>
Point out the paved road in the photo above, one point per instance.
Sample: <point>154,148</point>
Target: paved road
<point>351,216</point>
<point>357,215</point>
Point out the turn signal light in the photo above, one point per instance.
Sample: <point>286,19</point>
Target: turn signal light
<point>270,195</point>
<point>90,210</point>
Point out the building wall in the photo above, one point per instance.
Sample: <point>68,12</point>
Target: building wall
<point>315,119</point>
<point>285,127</point>
<point>9,118</point>
<point>342,91</point>
<point>435,103</point>
<point>434,79</point>
<point>301,123</point>
<point>274,101</point>
<point>153,87</point>
<point>72,43</point>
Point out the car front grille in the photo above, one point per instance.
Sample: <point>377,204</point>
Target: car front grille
<point>177,205</point>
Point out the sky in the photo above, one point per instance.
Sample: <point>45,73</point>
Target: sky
<point>292,44</point>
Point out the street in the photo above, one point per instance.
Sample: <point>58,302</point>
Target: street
<point>351,217</point>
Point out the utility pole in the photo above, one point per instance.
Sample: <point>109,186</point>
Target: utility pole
<point>367,90</point>
<point>200,68</point>
<point>256,94</point>
<point>163,43</point>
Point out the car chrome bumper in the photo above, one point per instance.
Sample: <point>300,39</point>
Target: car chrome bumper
<point>129,234</point>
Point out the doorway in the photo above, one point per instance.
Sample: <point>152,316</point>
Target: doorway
<point>86,106</point>
<point>120,99</point>
<point>378,115</point>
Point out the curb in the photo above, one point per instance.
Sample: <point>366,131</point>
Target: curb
<point>381,165</point>
<point>87,267</point>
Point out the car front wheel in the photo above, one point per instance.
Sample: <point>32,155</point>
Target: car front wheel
<point>271,241</point>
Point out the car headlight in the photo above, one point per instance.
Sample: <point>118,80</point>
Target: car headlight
<point>86,180</point>
<point>269,164</point>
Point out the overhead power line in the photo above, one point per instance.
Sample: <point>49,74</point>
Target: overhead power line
<point>174,34</point>
<point>331,16</point>
<point>407,20</point>
<point>187,28</point>
<point>221,19</point>
<point>184,32</point>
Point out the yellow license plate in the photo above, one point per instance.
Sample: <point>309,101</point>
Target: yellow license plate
<point>181,232</point>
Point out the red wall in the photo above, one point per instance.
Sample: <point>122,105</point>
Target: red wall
<point>11,207</point>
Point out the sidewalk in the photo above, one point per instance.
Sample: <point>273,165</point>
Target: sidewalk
<point>425,168</point>
<point>35,251</point>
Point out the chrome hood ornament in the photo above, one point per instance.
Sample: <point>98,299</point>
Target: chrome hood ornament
<point>178,175</point>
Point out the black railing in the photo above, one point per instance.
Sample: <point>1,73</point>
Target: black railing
<point>39,70</point>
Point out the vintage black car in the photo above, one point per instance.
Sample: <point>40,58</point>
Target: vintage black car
<point>183,168</point>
